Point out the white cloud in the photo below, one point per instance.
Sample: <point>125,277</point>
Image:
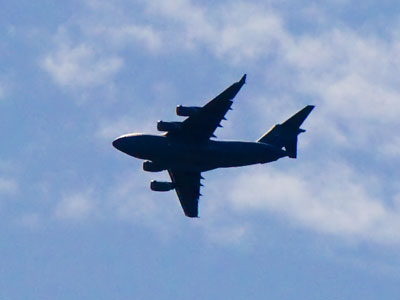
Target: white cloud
<point>130,34</point>
<point>345,70</point>
<point>237,31</point>
<point>87,49</point>
<point>333,199</point>
<point>80,66</point>
<point>133,198</point>
<point>354,79</point>
<point>351,76</point>
<point>76,206</point>
<point>225,234</point>
<point>248,33</point>
<point>143,120</point>
<point>111,129</point>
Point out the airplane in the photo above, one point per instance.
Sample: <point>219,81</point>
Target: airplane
<point>186,149</point>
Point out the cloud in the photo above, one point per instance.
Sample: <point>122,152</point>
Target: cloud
<point>333,199</point>
<point>87,49</point>
<point>112,129</point>
<point>225,234</point>
<point>109,130</point>
<point>130,200</point>
<point>133,200</point>
<point>77,206</point>
<point>351,75</point>
<point>345,69</point>
<point>235,31</point>
<point>80,66</point>
<point>127,35</point>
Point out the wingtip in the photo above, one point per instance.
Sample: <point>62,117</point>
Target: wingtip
<point>243,79</point>
<point>308,109</point>
<point>196,216</point>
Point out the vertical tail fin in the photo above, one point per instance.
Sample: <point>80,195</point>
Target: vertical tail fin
<point>285,134</point>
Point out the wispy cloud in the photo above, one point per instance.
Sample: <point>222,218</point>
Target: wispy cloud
<point>111,129</point>
<point>80,66</point>
<point>350,76</point>
<point>131,200</point>
<point>337,200</point>
<point>86,50</point>
<point>233,31</point>
<point>225,234</point>
<point>127,35</point>
<point>76,206</point>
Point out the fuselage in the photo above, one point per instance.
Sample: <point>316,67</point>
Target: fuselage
<point>203,156</point>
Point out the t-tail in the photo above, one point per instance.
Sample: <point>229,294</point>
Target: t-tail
<point>285,134</point>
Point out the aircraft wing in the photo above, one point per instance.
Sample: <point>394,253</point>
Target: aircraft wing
<point>201,126</point>
<point>187,187</point>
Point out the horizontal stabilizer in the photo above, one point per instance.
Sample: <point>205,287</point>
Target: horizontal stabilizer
<point>285,134</point>
<point>298,118</point>
<point>243,80</point>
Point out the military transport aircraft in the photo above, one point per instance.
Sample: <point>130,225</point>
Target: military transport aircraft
<point>186,148</point>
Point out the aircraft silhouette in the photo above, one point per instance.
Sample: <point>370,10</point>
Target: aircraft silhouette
<point>186,148</point>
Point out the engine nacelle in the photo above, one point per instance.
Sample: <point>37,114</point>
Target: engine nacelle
<point>161,186</point>
<point>168,126</point>
<point>150,166</point>
<point>187,111</point>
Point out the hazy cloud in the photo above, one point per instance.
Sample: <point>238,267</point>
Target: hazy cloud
<point>350,75</point>
<point>133,198</point>
<point>332,199</point>
<point>76,206</point>
<point>114,128</point>
<point>353,79</point>
<point>80,66</point>
<point>131,34</point>
<point>236,31</point>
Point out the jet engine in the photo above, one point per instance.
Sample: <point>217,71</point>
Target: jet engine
<point>161,186</point>
<point>187,111</point>
<point>168,126</point>
<point>150,166</point>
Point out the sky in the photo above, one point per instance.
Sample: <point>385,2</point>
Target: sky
<point>77,217</point>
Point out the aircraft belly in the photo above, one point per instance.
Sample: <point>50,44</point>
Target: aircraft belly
<point>211,155</point>
<point>222,155</point>
<point>235,154</point>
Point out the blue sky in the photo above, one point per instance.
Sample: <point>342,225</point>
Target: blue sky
<point>78,220</point>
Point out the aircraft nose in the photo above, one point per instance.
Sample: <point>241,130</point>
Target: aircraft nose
<point>129,144</point>
<point>117,143</point>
